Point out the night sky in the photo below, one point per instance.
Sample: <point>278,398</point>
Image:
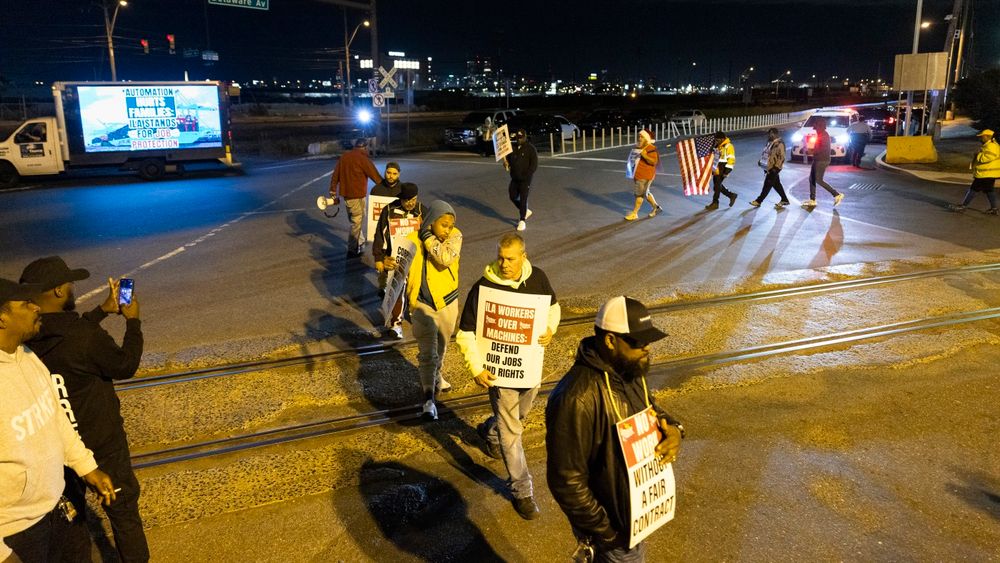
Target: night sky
<point>51,40</point>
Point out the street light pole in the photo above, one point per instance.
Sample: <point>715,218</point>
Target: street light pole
<point>347,56</point>
<point>109,28</point>
<point>916,48</point>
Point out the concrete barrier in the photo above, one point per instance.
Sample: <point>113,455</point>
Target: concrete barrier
<point>904,150</point>
<point>325,147</point>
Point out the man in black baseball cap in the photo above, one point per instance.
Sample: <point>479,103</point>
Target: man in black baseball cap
<point>88,361</point>
<point>586,467</point>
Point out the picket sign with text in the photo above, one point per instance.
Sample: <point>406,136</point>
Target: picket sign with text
<point>403,249</point>
<point>631,163</point>
<point>508,325</point>
<point>501,142</point>
<point>373,209</point>
<point>652,490</point>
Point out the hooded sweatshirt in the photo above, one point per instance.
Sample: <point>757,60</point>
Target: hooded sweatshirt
<point>36,441</point>
<point>433,275</point>
<point>532,281</point>
<point>85,362</point>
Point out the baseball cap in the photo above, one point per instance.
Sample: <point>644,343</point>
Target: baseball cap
<point>51,272</point>
<point>624,315</point>
<point>13,291</point>
<point>985,132</point>
<point>407,190</point>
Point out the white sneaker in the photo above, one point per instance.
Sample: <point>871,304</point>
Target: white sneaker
<point>809,203</point>
<point>430,410</point>
<point>521,225</point>
<point>398,331</point>
<point>837,199</point>
<point>528,214</point>
<point>444,386</point>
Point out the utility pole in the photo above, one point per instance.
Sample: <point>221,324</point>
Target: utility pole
<point>916,48</point>
<point>949,46</point>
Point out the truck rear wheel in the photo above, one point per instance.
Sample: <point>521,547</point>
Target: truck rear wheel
<point>8,175</point>
<point>151,169</point>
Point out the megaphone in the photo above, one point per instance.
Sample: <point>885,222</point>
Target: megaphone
<point>323,202</point>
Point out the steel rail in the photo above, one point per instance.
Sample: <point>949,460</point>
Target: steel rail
<point>360,421</point>
<point>572,320</point>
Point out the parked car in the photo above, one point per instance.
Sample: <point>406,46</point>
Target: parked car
<point>465,135</point>
<point>881,119</point>
<point>647,117</point>
<point>569,129</point>
<point>837,122</point>
<point>689,116</point>
<point>604,119</point>
<point>538,126</point>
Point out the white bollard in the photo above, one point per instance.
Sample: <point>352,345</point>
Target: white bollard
<point>603,144</point>
<point>584,132</point>
<point>552,143</point>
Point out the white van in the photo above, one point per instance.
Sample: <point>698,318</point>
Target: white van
<point>837,122</point>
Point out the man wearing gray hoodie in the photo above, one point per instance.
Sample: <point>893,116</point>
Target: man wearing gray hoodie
<point>502,432</point>
<point>36,440</point>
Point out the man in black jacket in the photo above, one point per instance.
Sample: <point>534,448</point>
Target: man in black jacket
<point>522,164</point>
<point>586,468</point>
<point>85,361</point>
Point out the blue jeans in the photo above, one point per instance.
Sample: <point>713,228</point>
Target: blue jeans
<point>621,555</point>
<point>510,407</point>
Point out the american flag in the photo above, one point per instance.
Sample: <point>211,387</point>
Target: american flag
<point>696,156</point>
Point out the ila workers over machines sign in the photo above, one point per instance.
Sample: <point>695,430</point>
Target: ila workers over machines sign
<point>508,325</point>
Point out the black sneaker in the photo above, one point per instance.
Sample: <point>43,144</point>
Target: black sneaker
<point>526,508</point>
<point>489,448</point>
<point>732,200</point>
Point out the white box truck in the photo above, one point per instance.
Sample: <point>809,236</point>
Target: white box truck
<point>146,127</point>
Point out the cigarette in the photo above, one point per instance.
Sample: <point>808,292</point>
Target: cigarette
<point>118,490</point>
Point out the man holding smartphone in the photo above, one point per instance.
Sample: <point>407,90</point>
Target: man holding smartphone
<point>85,361</point>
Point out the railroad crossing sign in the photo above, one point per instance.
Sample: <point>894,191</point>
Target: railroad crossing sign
<point>387,77</point>
<point>373,85</point>
<point>378,100</point>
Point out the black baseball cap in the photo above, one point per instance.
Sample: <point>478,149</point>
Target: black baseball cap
<point>13,291</point>
<point>626,316</point>
<point>407,190</point>
<point>51,272</point>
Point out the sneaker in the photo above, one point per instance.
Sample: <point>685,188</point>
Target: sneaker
<point>489,448</point>
<point>837,199</point>
<point>430,410</point>
<point>528,214</point>
<point>631,217</point>
<point>526,508</point>
<point>958,207</point>
<point>521,225</point>
<point>397,332</point>
<point>732,199</point>
<point>443,386</point>
<point>992,211</point>
<point>713,205</point>
<point>781,204</point>
<point>655,210</point>
<point>809,203</point>
<point>755,203</point>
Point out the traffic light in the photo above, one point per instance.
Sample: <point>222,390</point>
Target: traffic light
<point>145,45</point>
<point>170,42</point>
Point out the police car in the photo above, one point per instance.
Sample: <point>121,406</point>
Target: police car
<point>837,122</point>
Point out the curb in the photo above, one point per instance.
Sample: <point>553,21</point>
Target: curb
<point>938,177</point>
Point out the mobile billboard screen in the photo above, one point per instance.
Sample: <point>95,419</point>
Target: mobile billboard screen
<point>150,117</point>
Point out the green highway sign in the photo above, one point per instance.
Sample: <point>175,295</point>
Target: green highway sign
<point>254,4</point>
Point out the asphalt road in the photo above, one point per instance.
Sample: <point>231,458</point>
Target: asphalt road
<point>237,266</point>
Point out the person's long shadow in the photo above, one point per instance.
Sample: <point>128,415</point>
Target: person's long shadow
<point>421,514</point>
<point>832,242</point>
<point>600,200</point>
<point>477,206</point>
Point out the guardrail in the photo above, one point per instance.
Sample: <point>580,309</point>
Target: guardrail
<point>596,140</point>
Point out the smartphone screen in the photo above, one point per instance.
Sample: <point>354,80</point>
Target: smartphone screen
<point>125,287</point>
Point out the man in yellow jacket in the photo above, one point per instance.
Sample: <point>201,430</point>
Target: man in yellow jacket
<point>726,155</point>
<point>985,170</point>
<point>432,293</point>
